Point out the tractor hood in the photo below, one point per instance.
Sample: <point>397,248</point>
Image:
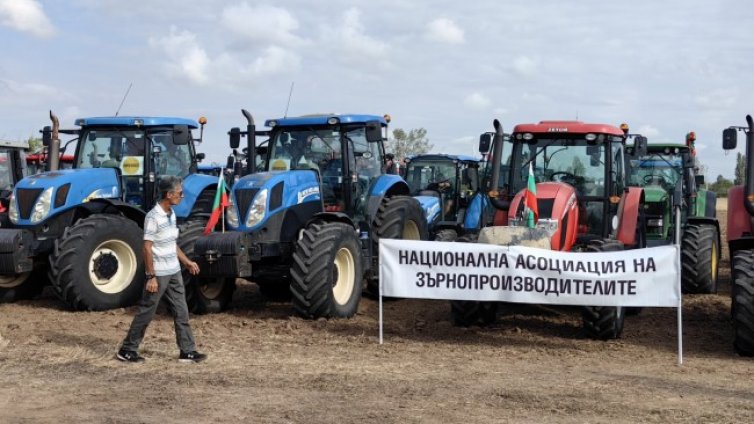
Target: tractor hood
<point>655,194</point>
<point>265,196</point>
<point>67,188</point>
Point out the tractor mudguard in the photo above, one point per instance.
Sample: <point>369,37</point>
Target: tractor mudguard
<point>331,217</point>
<point>739,220</point>
<point>193,186</point>
<point>628,215</point>
<point>431,207</point>
<point>385,186</point>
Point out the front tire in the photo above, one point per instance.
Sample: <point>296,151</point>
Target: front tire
<point>327,273</point>
<point>398,217</point>
<point>603,322</point>
<point>97,264</point>
<point>699,259</point>
<point>203,295</point>
<point>742,301</point>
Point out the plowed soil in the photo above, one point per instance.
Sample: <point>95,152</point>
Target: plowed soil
<point>267,366</point>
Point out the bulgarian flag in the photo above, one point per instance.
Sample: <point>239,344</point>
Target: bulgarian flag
<point>530,201</point>
<point>221,202</point>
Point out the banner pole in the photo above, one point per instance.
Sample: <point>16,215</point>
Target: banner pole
<point>680,297</point>
<point>380,302</point>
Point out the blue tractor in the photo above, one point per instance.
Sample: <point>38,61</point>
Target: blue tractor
<point>81,228</point>
<point>448,187</point>
<point>309,223</point>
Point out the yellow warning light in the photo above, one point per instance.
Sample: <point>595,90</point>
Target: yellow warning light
<point>493,193</point>
<point>624,128</point>
<point>202,120</point>
<point>691,137</point>
<point>387,118</point>
<point>750,197</point>
<point>615,199</point>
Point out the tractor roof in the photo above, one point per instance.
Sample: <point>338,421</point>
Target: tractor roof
<point>136,121</point>
<point>659,147</point>
<point>308,120</point>
<point>566,127</point>
<point>442,156</point>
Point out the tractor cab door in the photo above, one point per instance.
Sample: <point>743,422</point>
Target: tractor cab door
<point>364,166</point>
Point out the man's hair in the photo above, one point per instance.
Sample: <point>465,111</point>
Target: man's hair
<point>389,156</point>
<point>167,184</point>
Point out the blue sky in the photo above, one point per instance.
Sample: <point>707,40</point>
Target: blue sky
<point>451,67</point>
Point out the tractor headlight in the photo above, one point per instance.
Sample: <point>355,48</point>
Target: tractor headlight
<point>12,209</point>
<point>231,213</point>
<point>258,208</point>
<point>42,207</point>
<point>654,222</point>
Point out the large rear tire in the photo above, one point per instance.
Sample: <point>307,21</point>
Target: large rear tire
<point>97,264</point>
<point>699,259</point>
<point>203,295</point>
<point>603,322</point>
<point>398,217</point>
<point>742,301</point>
<point>327,272</point>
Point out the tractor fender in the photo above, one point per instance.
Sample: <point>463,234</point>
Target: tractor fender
<point>111,206</point>
<point>331,217</point>
<point>473,219</point>
<point>193,186</point>
<point>431,207</point>
<point>628,215</point>
<point>739,220</point>
<point>385,186</point>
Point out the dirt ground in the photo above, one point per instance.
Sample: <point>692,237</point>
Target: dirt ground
<point>267,366</point>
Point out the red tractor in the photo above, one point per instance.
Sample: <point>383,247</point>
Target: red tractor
<point>741,244</point>
<point>582,200</point>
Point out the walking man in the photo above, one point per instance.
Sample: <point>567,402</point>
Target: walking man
<point>161,263</point>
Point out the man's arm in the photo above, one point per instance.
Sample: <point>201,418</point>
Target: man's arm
<point>192,266</point>
<point>149,267</point>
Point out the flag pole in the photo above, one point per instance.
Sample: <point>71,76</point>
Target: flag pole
<point>222,206</point>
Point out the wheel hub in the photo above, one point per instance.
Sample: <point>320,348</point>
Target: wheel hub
<point>105,266</point>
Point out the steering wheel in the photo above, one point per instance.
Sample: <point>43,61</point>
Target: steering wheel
<point>566,176</point>
<point>654,179</point>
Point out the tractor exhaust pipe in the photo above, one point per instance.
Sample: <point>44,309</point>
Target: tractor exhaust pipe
<point>251,139</point>
<point>53,154</point>
<point>497,157</point>
<point>749,179</point>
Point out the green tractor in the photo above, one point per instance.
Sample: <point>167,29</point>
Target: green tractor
<point>668,174</point>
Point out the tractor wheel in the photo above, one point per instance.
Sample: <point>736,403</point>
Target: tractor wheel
<point>699,259</point>
<point>203,295</point>
<point>471,312</point>
<point>327,274</point>
<point>26,285</point>
<point>398,217</point>
<point>603,322</point>
<point>446,235</point>
<point>97,264</point>
<point>742,302</point>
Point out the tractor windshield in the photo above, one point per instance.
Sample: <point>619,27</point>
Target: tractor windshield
<point>310,148</point>
<point>573,161</point>
<point>656,169</point>
<point>6,171</point>
<point>426,174</point>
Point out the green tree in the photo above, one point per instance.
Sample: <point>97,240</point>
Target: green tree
<point>740,175</point>
<point>721,186</point>
<point>413,142</point>
<point>35,143</point>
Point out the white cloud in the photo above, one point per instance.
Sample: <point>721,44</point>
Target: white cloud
<point>477,101</point>
<point>357,47</point>
<point>524,66</point>
<point>262,23</point>
<point>26,16</point>
<point>717,99</point>
<point>444,31</point>
<point>649,131</point>
<point>188,59</point>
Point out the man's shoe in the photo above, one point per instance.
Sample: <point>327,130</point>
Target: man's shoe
<point>191,357</point>
<point>129,356</point>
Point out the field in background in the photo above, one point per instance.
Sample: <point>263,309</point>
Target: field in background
<point>267,366</point>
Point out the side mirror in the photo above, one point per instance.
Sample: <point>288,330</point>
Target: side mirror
<point>374,132</point>
<point>485,142</point>
<point>200,157</point>
<point>231,161</point>
<point>46,136</point>
<point>699,180</point>
<point>181,135</point>
<point>729,138</point>
<point>688,161</point>
<point>640,145</point>
<point>235,137</point>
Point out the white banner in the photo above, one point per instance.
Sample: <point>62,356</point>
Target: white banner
<point>471,271</point>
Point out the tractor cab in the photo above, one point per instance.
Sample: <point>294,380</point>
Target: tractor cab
<point>578,170</point>
<point>139,152</point>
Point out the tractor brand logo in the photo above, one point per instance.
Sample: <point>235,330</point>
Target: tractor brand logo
<point>557,129</point>
<point>307,192</point>
<point>131,165</point>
